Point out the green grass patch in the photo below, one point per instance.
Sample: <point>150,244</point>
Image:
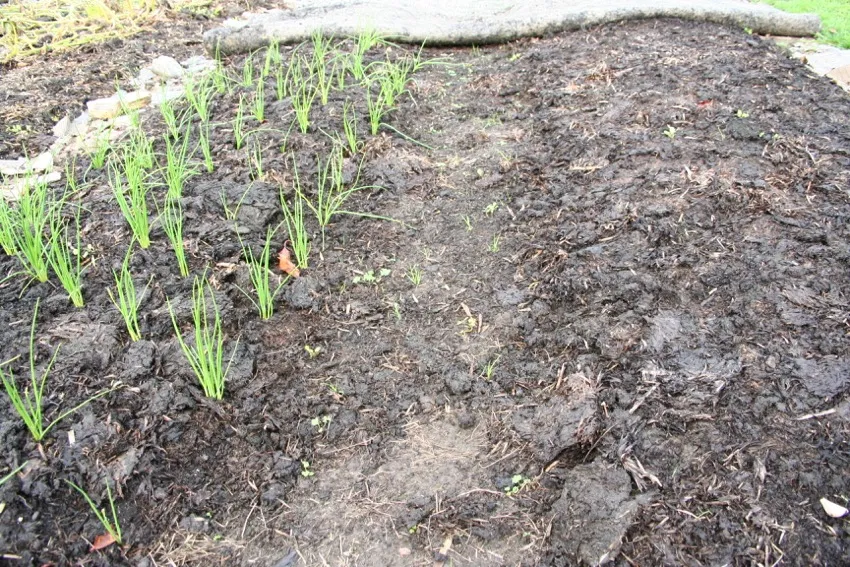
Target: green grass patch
<point>834,15</point>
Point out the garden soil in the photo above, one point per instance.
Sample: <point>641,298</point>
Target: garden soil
<point>629,341</point>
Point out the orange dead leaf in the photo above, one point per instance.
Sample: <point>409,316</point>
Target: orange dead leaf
<point>102,542</point>
<point>285,261</point>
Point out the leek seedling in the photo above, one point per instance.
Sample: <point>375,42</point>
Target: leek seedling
<point>169,116</point>
<point>255,160</point>
<point>281,80</point>
<point>258,269</point>
<point>331,194</point>
<point>349,126</point>
<point>239,124</point>
<point>112,527</point>
<point>101,148</point>
<point>30,405</point>
<point>293,217</point>
<point>248,72</point>
<point>200,94</point>
<point>9,476</point>
<point>301,93</point>
<point>204,142</point>
<point>365,42</point>
<point>259,103</point>
<point>177,168</point>
<point>141,148</point>
<point>219,78</point>
<point>171,218</point>
<point>318,65</point>
<point>377,107</point>
<point>34,215</point>
<point>206,354</point>
<point>66,260</point>
<point>272,58</point>
<point>125,297</point>
<point>8,228</point>
<point>133,200</point>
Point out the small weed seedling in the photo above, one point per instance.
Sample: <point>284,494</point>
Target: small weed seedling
<point>468,325</point>
<point>29,405</point>
<point>370,277</point>
<point>312,352</point>
<point>306,471</point>
<point>491,209</point>
<point>414,274</point>
<point>258,269</point>
<point>467,221</point>
<point>742,114</point>
<point>65,258</point>
<point>125,297</point>
<point>490,368</point>
<point>518,482</point>
<point>321,422</point>
<point>670,132</point>
<point>111,525</point>
<point>495,244</point>
<point>206,354</point>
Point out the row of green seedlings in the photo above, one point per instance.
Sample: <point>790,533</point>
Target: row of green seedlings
<point>305,78</point>
<point>34,230</point>
<point>29,404</point>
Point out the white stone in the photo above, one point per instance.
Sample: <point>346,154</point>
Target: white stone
<point>146,76</point>
<point>172,92</point>
<point>12,166</point>
<point>104,108</point>
<point>60,130</point>
<point>13,190</point>
<point>198,64</point>
<point>110,107</point>
<point>166,67</point>
<point>41,162</point>
<point>80,125</point>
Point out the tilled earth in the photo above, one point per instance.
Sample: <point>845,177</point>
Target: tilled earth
<point>621,336</point>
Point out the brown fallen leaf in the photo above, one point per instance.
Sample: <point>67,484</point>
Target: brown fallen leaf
<point>102,542</point>
<point>285,261</point>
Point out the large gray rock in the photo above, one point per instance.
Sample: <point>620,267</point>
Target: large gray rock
<point>450,22</point>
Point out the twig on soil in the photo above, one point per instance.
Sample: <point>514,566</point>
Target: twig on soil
<point>813,415</point>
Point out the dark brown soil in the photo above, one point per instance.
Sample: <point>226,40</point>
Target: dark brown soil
<point>684,300</point>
